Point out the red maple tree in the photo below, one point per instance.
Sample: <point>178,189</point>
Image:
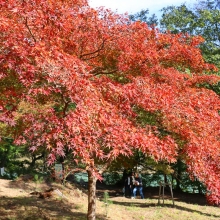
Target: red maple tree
<point>71,77</point>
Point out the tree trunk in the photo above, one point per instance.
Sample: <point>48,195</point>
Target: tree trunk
<point>178,185</point>
<point>178,175</point>
<point>165,178</point>
<point>91,215</point>
<point>34,159</point>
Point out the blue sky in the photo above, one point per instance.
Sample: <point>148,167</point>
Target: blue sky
<point>133,6</point>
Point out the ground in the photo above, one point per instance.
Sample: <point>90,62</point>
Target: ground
<point>70,202</point>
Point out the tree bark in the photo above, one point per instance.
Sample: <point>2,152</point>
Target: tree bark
<point>91,215</point>
<point>34,159</point>
<point>178,175</point>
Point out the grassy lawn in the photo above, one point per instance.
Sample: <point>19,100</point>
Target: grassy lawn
<point>74,206</point>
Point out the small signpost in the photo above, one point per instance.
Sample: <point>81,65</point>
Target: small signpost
<point>2,171</point>
<point>58,171</point>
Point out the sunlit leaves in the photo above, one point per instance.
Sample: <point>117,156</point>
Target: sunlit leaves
<point>103,87</point>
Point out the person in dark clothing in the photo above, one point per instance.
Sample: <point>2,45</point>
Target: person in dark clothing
<point>132,181</point>
<point>128,187</point>
<point>138,186</point>
<point>127,190</point>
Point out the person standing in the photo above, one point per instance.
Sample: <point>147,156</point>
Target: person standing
<point>132,182</point>
<point>138,186</point>
<point>128,185</point>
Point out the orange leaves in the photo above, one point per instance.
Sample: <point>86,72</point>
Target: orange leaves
<point>180,51</point>
<point>203,163</point>
<point>81,73</point>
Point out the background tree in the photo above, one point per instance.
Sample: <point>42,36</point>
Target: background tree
<point>143,16</point>
<point>78,76</point>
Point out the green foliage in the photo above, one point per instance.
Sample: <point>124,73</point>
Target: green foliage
<point>120,78</point>
<point>151,180</point>
<point>191,186</point>
<point>7,151</point>
<point>111,178</point>
<point>182,181</point>
<point>147,118</point>
<point>16,160</point>
<point>106,198</point>
<point>215,88</point>
<point>64,107</point>
<point>106,201</point>
<point>9,154</point>
<point>38,179</point>
<point>177,19</point>
<point>143,15</point>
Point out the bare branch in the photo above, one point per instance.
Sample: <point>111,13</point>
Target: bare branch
<point>66,103</point>
<point>29,30</point>
<point>99,70</point>
<point>105,72</point>
<point>94,52</point>
<point>104,167</point>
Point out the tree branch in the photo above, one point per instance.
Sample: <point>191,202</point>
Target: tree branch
<point>29,30</point>
<point>99,71</point>
<point>94,52</point>
<point>104,72</point>
<point>66,103</point>
<point>104,167</point>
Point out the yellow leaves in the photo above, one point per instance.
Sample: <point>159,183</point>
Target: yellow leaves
<point>3,128</point>
<point>167,169</point>
<point>49,147</point>
<point>25,107</point>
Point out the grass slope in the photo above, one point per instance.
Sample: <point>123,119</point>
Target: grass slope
<point>17,203</point>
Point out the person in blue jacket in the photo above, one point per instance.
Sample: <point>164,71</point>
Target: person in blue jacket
<point>138,186</point>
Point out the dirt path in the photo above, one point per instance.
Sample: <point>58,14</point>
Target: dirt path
<point>11,189</point>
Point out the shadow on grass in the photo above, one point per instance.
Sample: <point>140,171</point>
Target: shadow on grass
<point>147,205</point>
<point>30,208</point>
<point>26,186</point>
<point>153,193</point>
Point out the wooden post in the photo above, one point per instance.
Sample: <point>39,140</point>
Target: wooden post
<point>171,191</point>
<point>163,192</point>
<point>159,193</point>
<point>162,185</point>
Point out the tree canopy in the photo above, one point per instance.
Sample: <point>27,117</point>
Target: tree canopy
<point>73,77</point>
<point>203,19</point>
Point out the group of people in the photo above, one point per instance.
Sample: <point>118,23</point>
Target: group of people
<point>133,183</point>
